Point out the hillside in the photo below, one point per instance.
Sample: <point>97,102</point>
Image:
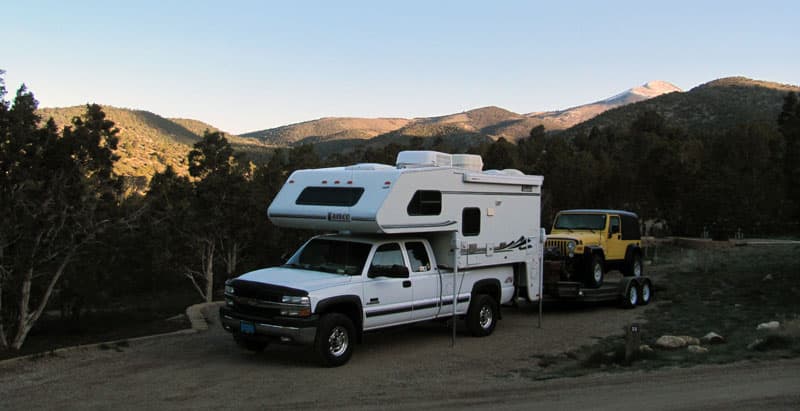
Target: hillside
<point>148,143</point>
<point>718,104</point>
<point>465,127</point>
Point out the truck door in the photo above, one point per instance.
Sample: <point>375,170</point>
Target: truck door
<point>387,295</point>
<point>424,281</point>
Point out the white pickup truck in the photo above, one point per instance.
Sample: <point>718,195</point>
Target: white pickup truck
<point>393,223</point>
<point>337,287</point>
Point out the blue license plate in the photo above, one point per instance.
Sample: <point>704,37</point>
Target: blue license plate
<point>247,327</point>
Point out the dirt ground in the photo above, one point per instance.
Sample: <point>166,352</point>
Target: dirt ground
<point>206,370</point>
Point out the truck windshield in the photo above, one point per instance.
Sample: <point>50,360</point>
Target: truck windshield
<point>580,222</point>
<point>331,256</point>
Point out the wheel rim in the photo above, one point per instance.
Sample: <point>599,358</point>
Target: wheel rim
<point>485,317</point>
<point>637,268</point>
<point>338,341</point>
<point>633,295</point>
<point>646,292</point>
<point>598,273</point>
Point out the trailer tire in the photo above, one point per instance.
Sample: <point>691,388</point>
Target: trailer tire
<point>335,338</point>
<point>250,345</point>
<point>645,292</point>
<point>631,297</point>
<point>595,272</point>
<point>482,315</point>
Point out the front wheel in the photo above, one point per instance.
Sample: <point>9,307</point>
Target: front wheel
<point>482,315</point>
<point>595,275</point>
<point>335,339</point>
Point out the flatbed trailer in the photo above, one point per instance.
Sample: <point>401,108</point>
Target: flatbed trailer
<point>629,291</point>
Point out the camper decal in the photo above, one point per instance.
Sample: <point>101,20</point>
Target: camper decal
<point>521,243</point>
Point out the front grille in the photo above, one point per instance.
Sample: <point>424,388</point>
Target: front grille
<point>254,298</point>
<point>559,244</point>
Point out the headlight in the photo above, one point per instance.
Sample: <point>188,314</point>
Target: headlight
<point>228,289</point>
<point>297,306</point>
<point>571,248</point>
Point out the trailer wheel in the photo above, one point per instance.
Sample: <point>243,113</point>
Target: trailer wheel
<point>631,298</point>
<point>335,339</point>
<point>634,268</point>
<point>482,315</point>
<point>645,292</point>
<point>250,345</point>
<point>595,273</point>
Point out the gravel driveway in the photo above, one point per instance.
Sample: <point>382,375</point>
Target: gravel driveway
<point>207,370</point>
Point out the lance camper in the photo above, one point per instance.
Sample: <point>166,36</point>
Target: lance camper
<point>433,237</point>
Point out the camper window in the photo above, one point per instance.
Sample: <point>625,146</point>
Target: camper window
<point>425,202</point>
<point>330,196</point>
<point>471,221</point>
<point>418,257</point>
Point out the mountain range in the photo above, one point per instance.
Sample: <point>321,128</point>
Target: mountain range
<point>149,142</point>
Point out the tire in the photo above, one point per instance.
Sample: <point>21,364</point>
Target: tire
<point>631,297</point>
<point>250,345</point>
<point>645,292</point>
<point>634,268</point>
<point>595,273</point>
<point>335,338</point>
<point>482,315</point>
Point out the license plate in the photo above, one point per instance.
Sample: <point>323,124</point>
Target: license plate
<point>247,327</point>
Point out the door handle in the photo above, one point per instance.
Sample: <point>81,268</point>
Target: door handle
<point>406,283</point>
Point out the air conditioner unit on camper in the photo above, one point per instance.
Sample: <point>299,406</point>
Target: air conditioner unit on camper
<point>414,159</point>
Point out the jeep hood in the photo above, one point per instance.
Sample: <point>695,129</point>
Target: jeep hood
<point>583,237</point>
<point>296,278</point>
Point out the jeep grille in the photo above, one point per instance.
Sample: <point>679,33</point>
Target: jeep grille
<point>561,245</point>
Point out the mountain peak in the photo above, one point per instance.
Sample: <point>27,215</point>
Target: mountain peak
<point>739,81</point>
<point>647,90</point>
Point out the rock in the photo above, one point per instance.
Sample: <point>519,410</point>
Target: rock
<point>767,277</point>
<point>645,348</point>
<point>689,340</point>
<point>696,349</point>
<point>670,342</point>
<point>712,338</point>
<point>755,345</point>
<point>770,326</point>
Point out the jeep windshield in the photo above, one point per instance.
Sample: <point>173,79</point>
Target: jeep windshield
<point>580,222</point>
<point>331,256</point>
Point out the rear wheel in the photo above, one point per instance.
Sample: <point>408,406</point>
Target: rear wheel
<point>634,267</point>
<point>595,273</point>
<point>482,315</point>
<point>631,296</point>
<point>335,339</point>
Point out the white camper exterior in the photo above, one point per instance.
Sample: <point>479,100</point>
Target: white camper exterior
<point>432,237</point>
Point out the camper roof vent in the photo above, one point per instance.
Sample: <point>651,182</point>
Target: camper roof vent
<point>414,159</point>
<point>504,172</point>
<point>368,167</point>
<point>471,162</point>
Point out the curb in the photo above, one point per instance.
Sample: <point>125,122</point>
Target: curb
<point>193,312</point>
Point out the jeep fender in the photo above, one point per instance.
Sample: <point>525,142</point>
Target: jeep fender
<point>349,305</point>
<point>593,250</point>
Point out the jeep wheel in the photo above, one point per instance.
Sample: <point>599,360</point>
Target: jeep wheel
<point>482,315</point>
<point>250,345</point>
<point>631,297</point>
<point>634,268</point>
<point>594,276</point>
<point>335,339</point>
<point>645,292</point>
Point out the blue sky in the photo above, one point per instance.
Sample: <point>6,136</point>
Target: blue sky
<point>244,66</point>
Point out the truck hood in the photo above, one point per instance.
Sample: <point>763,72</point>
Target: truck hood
<point>583,237</point>
<point>296,278</point>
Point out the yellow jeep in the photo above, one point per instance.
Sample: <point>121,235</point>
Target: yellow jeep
<point>585,244</point>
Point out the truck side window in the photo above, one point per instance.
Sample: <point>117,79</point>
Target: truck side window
<point>425,202</point>
<point>471,221</point>
<point>418,256</point>
<point>388,259</point>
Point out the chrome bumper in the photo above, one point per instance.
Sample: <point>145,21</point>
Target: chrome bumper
<point>289,334</point>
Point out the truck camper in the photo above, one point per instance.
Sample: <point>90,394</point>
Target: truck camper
<point>407,242</point>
